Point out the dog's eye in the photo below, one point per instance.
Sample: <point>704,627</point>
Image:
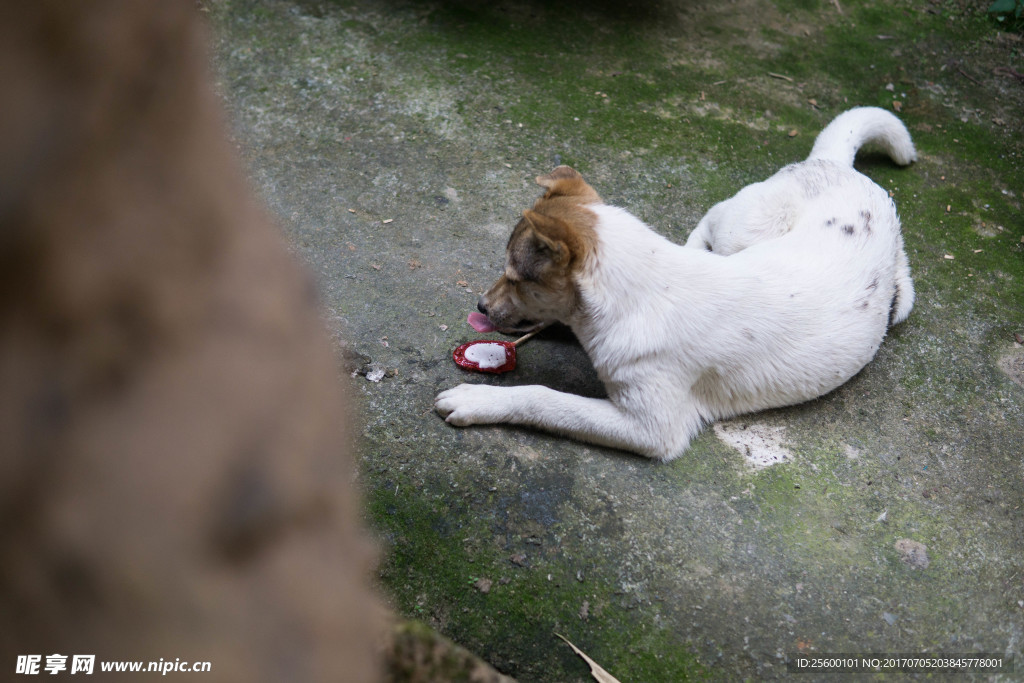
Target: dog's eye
<point>519,281</point>
<point>516,277</point>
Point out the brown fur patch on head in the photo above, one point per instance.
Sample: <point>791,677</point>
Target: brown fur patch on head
<point>560,218</point>
<point>549,246</point>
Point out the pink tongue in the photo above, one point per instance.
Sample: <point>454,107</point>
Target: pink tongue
<point>480,322</point>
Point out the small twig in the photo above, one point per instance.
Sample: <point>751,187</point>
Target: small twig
<point>775,75</point>
<point>965,75</point>
<point>1007,71</point>
<point>838,8</point>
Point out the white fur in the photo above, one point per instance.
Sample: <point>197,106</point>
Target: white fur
<point>792,299</point>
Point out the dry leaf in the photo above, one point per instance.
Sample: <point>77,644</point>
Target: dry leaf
<point>599,674</point>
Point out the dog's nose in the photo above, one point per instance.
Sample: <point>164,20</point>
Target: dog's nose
<point>480,306</point>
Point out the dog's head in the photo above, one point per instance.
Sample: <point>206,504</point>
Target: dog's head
<point>548,248</point>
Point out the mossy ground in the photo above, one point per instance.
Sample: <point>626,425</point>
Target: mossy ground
<point>397,141</point>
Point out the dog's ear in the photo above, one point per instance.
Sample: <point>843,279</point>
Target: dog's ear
<point>561,173</point>
<point>549,236</point>
<point>567,182</point>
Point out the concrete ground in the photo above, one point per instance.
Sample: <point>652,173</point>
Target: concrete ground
<point>397,141</point>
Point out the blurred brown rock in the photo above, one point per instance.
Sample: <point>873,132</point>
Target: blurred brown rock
<point>174,470</point>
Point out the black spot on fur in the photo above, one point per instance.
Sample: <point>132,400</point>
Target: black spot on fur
<point>830,222</point>
<point>848,229</point>
<point>866,215</point>
<point>865,301</point>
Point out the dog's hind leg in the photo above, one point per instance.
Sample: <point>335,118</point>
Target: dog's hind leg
<point>904,299</point>
<point>598,421</point>
<point>700,238</point>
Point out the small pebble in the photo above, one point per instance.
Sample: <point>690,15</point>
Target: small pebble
<point>913,553</point>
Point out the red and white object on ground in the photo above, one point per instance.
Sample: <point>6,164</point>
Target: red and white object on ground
<point>488,355</point>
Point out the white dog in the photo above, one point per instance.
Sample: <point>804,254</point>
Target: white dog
<point>781,294</point>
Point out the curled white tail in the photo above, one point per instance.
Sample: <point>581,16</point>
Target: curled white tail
<point>855,128</point>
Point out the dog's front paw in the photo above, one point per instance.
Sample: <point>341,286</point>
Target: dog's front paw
<point>469,404</point>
